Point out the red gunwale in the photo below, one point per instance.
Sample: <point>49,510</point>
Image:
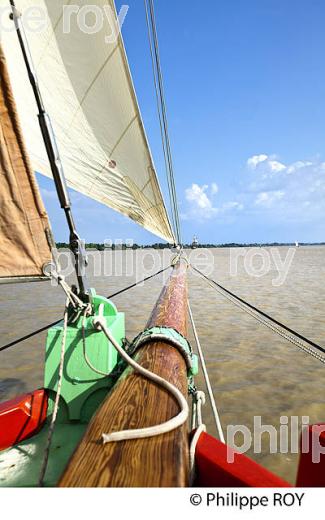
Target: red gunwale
<point>22,417</point>
<point>214,470</point>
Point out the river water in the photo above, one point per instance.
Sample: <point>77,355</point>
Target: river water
<point>254,372</point>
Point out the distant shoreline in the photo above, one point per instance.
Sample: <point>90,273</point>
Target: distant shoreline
<point>102,247</point>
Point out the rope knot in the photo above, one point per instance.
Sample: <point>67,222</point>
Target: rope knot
<point>200,396</point>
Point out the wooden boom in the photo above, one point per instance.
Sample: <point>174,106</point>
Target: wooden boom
<point>134,402</point>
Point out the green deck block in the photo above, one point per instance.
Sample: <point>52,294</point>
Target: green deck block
<point>83,389</point>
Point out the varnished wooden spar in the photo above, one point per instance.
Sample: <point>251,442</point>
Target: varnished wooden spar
<point>134,402</point>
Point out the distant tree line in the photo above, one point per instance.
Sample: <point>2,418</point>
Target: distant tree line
<point>102,247</point>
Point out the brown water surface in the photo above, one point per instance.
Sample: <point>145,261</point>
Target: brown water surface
<point>253,371</point>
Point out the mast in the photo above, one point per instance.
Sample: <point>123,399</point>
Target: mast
<point>52,150</point>
<point>135,402</point>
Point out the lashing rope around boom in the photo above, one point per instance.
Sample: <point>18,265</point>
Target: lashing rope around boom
<point>267,320</point>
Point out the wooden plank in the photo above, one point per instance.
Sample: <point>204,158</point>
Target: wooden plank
<point>134,402</point>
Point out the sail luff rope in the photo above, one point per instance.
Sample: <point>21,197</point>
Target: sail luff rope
<point>154,73</point>
<point>162,112</point>
<point>206,376</point>
<point>266,319</point>
<point>164,115</point>
<point>160,77</point>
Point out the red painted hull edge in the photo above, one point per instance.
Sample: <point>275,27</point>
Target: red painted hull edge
<point>311,470</point>
<point>214,470</point>
<point>22,417</point>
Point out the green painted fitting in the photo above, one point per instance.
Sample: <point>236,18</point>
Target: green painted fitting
<point>195,365</point>
<point>83,389</point>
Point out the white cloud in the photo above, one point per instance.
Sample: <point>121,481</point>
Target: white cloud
<point>252,162</point>
<point>298,165</point>
<point>232,205</point>
<point>289,190</point>
<point>293,191</point>
<point>214,188</point>
<point>197,195</point>
<point>268,198</point>
<point>201,202</point>
<point>268,165</point>
<point>276,166</point>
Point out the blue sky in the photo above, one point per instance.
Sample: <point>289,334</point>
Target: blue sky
<point>245,89</point>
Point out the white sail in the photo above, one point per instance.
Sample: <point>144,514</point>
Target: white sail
<point>88,91</point>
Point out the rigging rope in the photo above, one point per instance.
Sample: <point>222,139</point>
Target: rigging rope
<point>138,283</point>
<point>57,397</point>
<point>46,327</point>
<point>195,439</point>
<point>162,112</point>
<point>265,319</point>
<point>206,377</point>
<point>159,111</point>
<point>199,400</point>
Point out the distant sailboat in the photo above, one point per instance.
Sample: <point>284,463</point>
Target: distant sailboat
<point>297,244</point>
<point>195,242</point>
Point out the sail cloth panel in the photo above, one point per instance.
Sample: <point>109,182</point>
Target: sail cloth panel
<point>89,94</point>
<point>24,226</point>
